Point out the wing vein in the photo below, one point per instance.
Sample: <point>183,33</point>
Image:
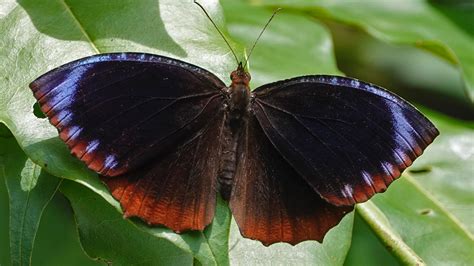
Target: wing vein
<point>314,135</point>
<point>311,132</point>
<point>190,175</point>
<point>173,132</point>
<point>284,138</point>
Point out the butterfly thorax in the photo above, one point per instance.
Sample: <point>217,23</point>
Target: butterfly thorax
<point>236,113</point>
<point>239,91</point>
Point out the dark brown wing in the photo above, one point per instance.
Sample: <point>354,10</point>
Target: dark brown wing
<point>177,190</point>
<point>117,111</point>
<point>271,202</point>
<point>347,138</point>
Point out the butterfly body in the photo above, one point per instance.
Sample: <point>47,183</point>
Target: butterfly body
<point>291,157</point>
<point>237,109</point>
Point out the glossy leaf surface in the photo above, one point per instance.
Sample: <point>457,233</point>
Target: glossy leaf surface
<point>79,33</point>
<point>26,207</point>
<point>66,41</point>
<point>57,223</point>
<point>431,204</point>
<point>77,26</point>
<point>438,193</point>
<point>100,225</point>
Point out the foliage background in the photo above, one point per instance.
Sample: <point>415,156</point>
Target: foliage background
<point>422,50</point>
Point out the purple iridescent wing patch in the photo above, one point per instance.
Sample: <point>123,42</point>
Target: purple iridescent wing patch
<point>116,111</point>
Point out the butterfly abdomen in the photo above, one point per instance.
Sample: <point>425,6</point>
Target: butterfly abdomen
<point>228,161</point>
<point>234,123</point>
<point>238,96</point>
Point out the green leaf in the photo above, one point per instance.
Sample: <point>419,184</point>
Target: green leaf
<point>445,172</point>
<point>332,251</point>
<point>29,175</point>
<point>26,207</point>
<point>443,28</point>
<point>218,231</point>
<point>53,33</point>
<point>387,234</point>
<point>429,210</point>
<point>281,52</point>
<point>44,35</point>
<point>100,224</point>
<point>57,32</point>
<point>366,248</point>
<point>4,132</point>
<point>57,226</point>
<point>105,235</point>
<point>4,213</point>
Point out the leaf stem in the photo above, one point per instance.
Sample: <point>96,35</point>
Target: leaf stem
<point>382,229</point>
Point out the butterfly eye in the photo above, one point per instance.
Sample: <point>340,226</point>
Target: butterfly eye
<point>233,75</point>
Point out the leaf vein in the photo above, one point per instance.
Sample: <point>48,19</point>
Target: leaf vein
<point>79,25</point>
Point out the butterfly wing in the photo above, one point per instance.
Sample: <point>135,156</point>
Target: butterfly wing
<point>177,190</point>
<point>270,201</point>
<point>117,111</point>
<point>149,125</point>
<point>348,139</point>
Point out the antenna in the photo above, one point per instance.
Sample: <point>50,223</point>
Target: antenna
<point>260,35</point>
<point>222,35</point>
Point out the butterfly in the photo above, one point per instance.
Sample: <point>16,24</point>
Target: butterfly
<point>291,157</point>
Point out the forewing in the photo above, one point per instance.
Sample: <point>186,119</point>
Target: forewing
<point>177,190</point>
<point>271,202</point>
<point>348,139</point>
<point>116,111</point>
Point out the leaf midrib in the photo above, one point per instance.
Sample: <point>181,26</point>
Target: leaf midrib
<point>79,25</point>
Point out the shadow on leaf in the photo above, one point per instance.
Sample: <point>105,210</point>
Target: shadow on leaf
<point>137,21</point>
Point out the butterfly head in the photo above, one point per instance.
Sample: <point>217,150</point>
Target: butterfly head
<point>240,76</point>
